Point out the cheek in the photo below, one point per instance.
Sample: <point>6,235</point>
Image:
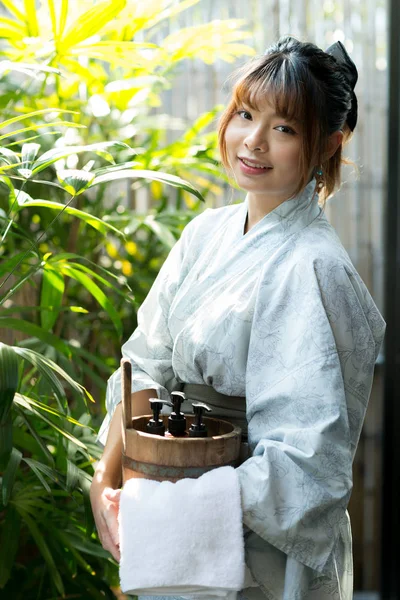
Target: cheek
<point>228,142</point>
<point>290,154</point>
<point>231,137</point>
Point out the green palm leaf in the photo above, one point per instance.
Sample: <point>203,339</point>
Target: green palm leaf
<point>152,175</point>
<point>55,154</point>
<point>86,546</point>
<point>33,465</point>
<point>44,550</point>
<point>98,224</point>
<point>9,543</point>
<point>28,154</point>
<point>97,294</point>
<point>39,469</point>
<point>25,402</point>
<point>75,181</point>
<point>30,441</point>
<point>40,126</point>
<point>10,474</point>
<point>37,332</point>
<point>9,378</point>
<point>56,413</point>
<point>49,370</point>
<point>36,113</point>
<point>51,295</point>
<point>162,232</point>
<point>61,258</point>
<point>10,158</point>
<point>66,543</point>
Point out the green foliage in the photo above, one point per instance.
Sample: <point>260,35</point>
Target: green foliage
<point>46,523</point>
<point>75,260</point>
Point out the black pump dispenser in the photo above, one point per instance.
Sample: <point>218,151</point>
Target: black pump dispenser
<point>176,420</point>
<point>198,429</point>
<point>156,425</point>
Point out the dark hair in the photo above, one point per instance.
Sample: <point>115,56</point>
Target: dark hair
<point>308,85</point>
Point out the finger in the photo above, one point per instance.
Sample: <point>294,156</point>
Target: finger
<point>115,552</point>
<point>112,523</point>
<point>108,542</point>
<point>111,548</point>
<point>111,494</point>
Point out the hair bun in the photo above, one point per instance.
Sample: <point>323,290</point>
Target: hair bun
<point>349,70</point>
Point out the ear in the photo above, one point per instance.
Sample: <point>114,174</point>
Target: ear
<point>334,141</point>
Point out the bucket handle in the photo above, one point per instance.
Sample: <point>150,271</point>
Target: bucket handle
<point>126,380</point>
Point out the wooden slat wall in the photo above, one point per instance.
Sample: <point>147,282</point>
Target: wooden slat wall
<point>356,212</point>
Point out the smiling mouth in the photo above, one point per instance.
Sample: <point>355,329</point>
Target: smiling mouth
<point>253,165</point>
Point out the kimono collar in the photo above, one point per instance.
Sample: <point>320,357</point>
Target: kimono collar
<point>290,216</point>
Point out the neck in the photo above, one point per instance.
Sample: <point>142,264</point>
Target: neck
<point>258,207</point>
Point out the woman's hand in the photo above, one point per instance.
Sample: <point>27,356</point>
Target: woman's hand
<point>107,478</point>
<point>105,507</point>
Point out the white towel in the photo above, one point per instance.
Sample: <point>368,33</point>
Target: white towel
<point>182,538</point>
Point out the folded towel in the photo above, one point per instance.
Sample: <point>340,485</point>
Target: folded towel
<point>182,538</point>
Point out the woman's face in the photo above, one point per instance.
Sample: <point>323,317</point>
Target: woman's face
<point>263,151</point>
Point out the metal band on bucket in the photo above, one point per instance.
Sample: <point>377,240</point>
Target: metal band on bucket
<point>151,470</point>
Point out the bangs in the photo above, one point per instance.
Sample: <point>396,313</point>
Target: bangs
<point>275,82</point>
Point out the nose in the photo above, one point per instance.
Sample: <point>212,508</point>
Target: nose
<point>256,141</point>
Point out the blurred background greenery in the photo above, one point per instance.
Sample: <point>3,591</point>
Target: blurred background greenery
<point>81,135</point>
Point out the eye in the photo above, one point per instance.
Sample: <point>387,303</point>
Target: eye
<point>244,114</point>
<point>286,129</point>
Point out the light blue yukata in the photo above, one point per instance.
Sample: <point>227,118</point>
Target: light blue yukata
<point>280,316</point>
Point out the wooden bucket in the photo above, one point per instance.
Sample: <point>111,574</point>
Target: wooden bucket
<point>171,458</point>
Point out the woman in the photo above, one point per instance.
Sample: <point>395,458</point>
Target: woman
<point>260,304</point>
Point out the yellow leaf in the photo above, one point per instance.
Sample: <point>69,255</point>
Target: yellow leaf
<point>10,5</point>
<point>189,201</point>
<point>30,18</point>
<point>126,268</point>
<point>78,309</point>
<point>156,189</point>
<point>113,52</point>
<point>209,41</point>
<point>52,11</point>
<point>79,73</point>
<point>63,17</point>
<point>112,251</point>
<point>91,22</point>
<point>17,28</point>
<point>131,248</point>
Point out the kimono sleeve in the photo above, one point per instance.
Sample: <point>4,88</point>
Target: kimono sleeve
<point>149,348</point>
<point>315,338</point>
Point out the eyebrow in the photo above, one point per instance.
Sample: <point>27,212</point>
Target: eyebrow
<point>278,115</point>
<point>289,119</point>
